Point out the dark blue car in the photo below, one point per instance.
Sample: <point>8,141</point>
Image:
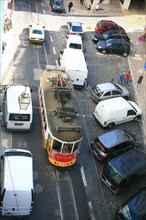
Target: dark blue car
<point>114,46</point>
<point>110,35</point>
<point>134,208</point>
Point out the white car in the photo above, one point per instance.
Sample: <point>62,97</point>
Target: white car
<point>36,33</point>
<point>74,42</point>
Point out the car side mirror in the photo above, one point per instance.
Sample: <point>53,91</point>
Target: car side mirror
<point>30,25</point>
<point>43,26</point>
<point>61,52</point>
<point>67,36</point>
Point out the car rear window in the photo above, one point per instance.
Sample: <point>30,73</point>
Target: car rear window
<point>112,172</point>
<point>37,32</point>
<point>100,146</point>
<point>77,29</point>
<point>75,46</point>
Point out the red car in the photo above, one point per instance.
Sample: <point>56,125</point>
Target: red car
<point>106,25</point>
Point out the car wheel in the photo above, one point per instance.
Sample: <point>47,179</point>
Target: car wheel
<point>137,118</point>
<point>111,125</point>
<point>125,54</point>
<point>103,51</point>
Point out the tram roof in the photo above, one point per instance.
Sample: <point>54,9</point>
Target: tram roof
<point>62,108</point>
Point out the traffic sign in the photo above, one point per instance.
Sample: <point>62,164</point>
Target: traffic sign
<point>144,66</point>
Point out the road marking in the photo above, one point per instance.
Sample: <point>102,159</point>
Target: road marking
<point>44,11</point>
<point>51,39</point>
<point>91,211</point>
<point>83,176</point>
<point>54,51</point>
<point>56,61</point>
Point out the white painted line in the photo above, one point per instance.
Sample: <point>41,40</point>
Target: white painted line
<point>91,211</point>
<point>44,11</point>
<point>83,176</point>
<point>54,51</point>
<point>51,39</point>
<point>56,61</point>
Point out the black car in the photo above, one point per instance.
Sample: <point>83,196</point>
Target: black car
<point>114,46</point>
<point>125,170</point>
<point>57,6</point>
<point>113,143</point>
<point>134,208</point>
<point>110,35</point>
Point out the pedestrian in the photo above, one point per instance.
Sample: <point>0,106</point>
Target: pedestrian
<point>70,5</point>
<point>98,7</point>
<point>121,78</point>
<point>127,77</point>
<point>82,1</point>
<point>1,117</point>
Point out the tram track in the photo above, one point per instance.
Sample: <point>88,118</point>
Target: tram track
<point>66,197</point>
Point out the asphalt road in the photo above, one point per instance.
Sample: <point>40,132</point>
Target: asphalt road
<point>77,193</point>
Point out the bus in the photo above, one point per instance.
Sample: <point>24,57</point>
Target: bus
<point>61,125</point>
<point>18,113</point>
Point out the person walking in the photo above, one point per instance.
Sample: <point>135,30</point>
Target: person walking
<point>121,78</point>
<point>70,5</point>
<point>1,117</point>
<point>127,77</point>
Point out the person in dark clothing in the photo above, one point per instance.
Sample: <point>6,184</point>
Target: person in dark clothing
<point>70,6</point>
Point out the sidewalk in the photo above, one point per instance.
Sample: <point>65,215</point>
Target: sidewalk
<point>113,9</point>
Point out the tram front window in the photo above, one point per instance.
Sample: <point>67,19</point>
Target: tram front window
<point>76,146</point>
<point>56,145</point>
<point>67,148</point>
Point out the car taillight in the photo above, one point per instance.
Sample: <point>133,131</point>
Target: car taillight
<point>101,94</point>
<point>118,210</point>
<point>117,188</point>
<point>31,207</point>
<point>1,206</point>
<point>72,33</point>
<point>105,155</point>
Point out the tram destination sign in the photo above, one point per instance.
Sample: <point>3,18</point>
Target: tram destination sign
<point>76,129</point>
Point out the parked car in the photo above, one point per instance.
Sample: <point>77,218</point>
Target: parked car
<point>134,208</point>
<point>57,6</point>
<point>110,35</point>
<point>113,143</point>
<point>114,46</point>
<point>116,111</point>
<point>74,42</point>
<point>36,33</point>
<point>125,170</point>
<point>107,25</point>
<point>108,90</point>
<point>75,27</point>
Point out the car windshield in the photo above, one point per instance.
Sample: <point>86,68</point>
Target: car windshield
<point>113,174</point>
<point>118,87</point>
<point>77,28</point>
<point>105,35</point>
<point>37,32</point>
<point>108,44</point>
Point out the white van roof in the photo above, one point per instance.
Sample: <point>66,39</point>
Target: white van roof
<point>74,39</point>
<point>75,60</point>
<point>13,93</point>
<point>110,104</point>
<point>15,162</point>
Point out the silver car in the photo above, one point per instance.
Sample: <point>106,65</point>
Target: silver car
<point>107,91</point>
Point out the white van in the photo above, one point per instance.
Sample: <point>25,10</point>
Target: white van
<point>75,65</point>
<point>18,114</point>
<point>17,188</point>
<point>74,42</point>
<point>116,111</point>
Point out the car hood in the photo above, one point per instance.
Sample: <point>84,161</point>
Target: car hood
<point>125,90</point>
<point>102,44</point>
<point>99,37</point>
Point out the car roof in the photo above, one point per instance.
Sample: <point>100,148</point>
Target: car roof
<point>76,23</point>
<point>117,41</point>
<point>106,86</point>
<point>137,208</point>
<point>109,22</point>
<point>112,138</point>
<point>129,162</point>
<point>37,26</point>
<point>74,38</point>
